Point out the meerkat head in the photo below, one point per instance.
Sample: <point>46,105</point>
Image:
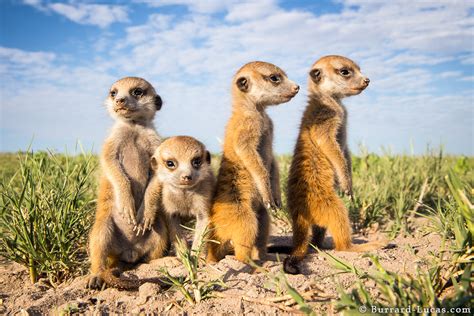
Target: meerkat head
<point>180,161</point>
<point>337,76</point>
<point>133,99</point>
<point>264,84</point>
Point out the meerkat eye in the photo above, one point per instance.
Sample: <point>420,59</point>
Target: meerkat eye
<point>113,93</point>
<point>170,164</point>
<point>344,72</point>
<point>138,92</point>
<point>196,162</point>
<point>275,78</point>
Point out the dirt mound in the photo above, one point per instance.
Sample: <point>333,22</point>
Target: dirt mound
<point>246,290</point>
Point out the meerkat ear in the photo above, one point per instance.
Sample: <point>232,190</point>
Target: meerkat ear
<point>208,157</point>
<point>158,102</point>
<point>315,75</point>
<point>243,84</point>
<point>154,163</point>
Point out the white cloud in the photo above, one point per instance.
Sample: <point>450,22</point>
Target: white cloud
<point>450,74</point>
<point>401,46</point>
<point>101,15</point>
<point>9,56</point>
<point>205,7</point>
<point>468,78</point>
<point>245,11</point>
<point>35,3</point>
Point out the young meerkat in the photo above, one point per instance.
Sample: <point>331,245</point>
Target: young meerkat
<point>182,186</point>
<point>125,164</point>
<point>248,180</point>
<point>322,161</point>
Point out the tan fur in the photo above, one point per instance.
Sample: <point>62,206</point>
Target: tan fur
<point>125,163</point>
<point>322,160</point>
<point>248,180</point>
<point>182,186</point>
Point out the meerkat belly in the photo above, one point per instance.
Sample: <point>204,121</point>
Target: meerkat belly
<point>135,161</point>
<point>128,245</point>
<point>310,165</point>
<point>234,183</point>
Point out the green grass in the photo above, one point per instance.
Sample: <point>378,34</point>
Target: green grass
<point>47,202</point>
<point>191,285</point>
<point>388,189</point>
<point>446,287</point>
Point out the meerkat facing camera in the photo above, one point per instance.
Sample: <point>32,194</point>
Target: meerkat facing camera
<point>125,164</point>
<point>320,158</point>
<point>182,186</point>
<point>248,180</point>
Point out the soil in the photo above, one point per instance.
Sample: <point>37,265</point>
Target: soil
<point>247,290</point>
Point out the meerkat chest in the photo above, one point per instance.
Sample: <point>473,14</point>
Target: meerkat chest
<point>265,147</point>
<point>134,153</point>
<point>134,156</point>
<point>179,201</point>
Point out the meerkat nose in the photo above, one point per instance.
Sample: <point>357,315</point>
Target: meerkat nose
<point>296,88</point>
<point>186,178</point>
<point>120,101</point>
<point>367,80</point>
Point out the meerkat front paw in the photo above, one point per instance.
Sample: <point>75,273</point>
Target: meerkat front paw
<point>278,202</point>
<point>127,211</point>
<point>348,189</point>
<point>345,186</point>
<point>95,282</point>
<point>270,204</point>
<point>144,225</point>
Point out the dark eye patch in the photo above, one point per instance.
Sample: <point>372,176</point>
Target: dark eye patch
<point>170,164</point>
<point>275,78</point>
<point>345,72</point>
<point>138,92</point>
<point>196,162</point>
<point>113,93</point>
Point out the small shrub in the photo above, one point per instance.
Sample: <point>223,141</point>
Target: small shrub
<point>45,216</point>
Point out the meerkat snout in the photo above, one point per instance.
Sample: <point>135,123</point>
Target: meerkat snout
<point>120,103</point>
<point>186,179</point>
<point>366,82</point>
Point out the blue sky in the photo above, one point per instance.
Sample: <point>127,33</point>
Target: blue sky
<point>58,59</point>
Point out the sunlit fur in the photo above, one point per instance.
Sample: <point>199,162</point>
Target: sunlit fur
<point>185,190</point>
<point>322,161</point>
<point>248,180</point>
<point>125,164</point>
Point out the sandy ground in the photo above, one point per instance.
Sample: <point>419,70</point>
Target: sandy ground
<point>247,291</point>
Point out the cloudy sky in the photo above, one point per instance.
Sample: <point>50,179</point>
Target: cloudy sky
<point>58,59</point>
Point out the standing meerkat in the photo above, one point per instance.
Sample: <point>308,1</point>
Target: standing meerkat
<point>322,160</point>
<point>125,164</point>
<point>248,180</point>
<point>182,186</point>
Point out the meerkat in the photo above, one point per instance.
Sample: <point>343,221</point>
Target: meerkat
<point>322,161</point>
<point>248,180</point>
<point>125,164</point>
<point>182,186</point>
